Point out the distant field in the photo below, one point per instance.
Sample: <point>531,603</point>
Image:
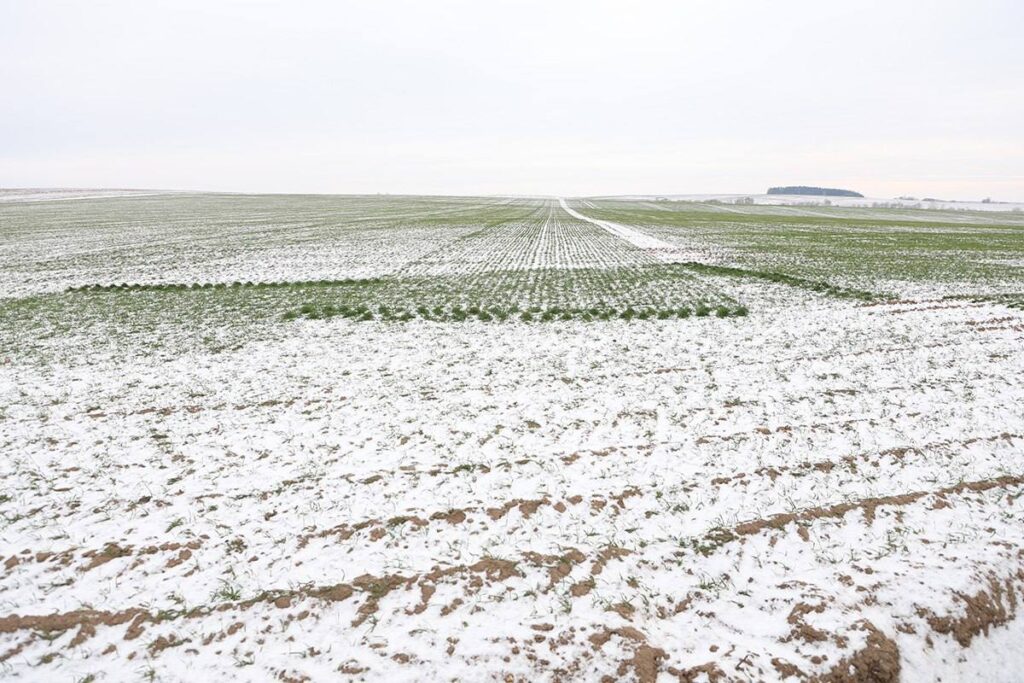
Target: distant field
<point>431,438</point>
<point>904,251</point>
<point>244,258</point>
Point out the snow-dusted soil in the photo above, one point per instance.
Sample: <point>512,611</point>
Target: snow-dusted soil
<point>817,485</point>
<point>50,246</point>
<point>822,490</point>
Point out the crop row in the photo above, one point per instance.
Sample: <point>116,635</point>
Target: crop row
<point>1010,300</point>
<point>657,287</point>
<point>499,314</point>
<point>549,238</point>
<point>182,286</point>
<point>783,279</point>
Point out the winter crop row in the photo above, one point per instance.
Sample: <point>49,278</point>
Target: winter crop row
<point>497,314</point>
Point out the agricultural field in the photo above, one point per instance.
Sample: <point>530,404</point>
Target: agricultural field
<point>900,251</point>
<point>304,438</point>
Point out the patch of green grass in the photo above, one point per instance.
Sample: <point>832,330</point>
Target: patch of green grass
<point>228,592</point>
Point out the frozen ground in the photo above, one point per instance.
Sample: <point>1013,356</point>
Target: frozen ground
<point>824,489</point>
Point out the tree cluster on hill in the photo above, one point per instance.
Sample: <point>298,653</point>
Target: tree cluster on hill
<point>817,191</point>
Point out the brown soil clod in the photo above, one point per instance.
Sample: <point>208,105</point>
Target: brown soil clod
<point>495,569</point>
<point>877,662</point>
<point>709,671</point>
<point>451,516</point>
<point>606,555</point>
<point>991,606</point>
<point>786,669</point>
<point>869,505</point>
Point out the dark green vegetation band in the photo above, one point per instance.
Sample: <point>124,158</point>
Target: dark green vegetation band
<point>492,313</point>
<point>361,303</point>
<point>783,279</point>
<point>1011,300</point>
<point>177,287</point>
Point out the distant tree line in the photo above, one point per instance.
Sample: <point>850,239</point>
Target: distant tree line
<point>817,191</point>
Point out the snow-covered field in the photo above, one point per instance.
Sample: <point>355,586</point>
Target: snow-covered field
<point>826,488</point>
<point>43,194</point>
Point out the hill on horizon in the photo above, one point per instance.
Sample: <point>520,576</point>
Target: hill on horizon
<point>816,191</point>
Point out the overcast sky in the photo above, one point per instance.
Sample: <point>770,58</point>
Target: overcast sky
<point>482,97</point>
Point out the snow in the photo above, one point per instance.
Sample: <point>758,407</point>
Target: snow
<point>273,444</point>
<point>437,501</point>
